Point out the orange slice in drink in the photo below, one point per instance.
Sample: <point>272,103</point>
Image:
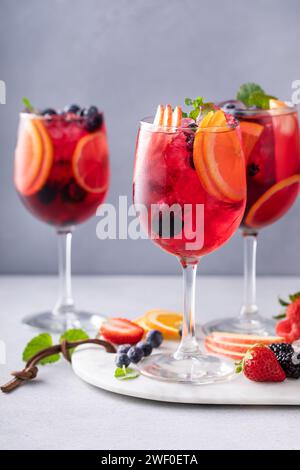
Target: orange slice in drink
<point>47,158</point>
<point>273,203</point>
<point>90,162</point>
<point>275,104</point>
<point>219,161</point>
<point>168,323</point>
<point>251,132</point>
<point>28,157</point>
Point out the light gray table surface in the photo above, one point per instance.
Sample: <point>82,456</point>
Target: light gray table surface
<point>59,411</point>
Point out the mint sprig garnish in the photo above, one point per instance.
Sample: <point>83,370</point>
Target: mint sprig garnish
<point>44,341</point>
<point>28,105</point>
<point>37,344</point>
<point>252,94</point>
<point>126,373</point>
<point>198,107</point>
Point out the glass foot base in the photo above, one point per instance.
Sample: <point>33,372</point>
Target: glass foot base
<point>256,325</point>
<point>51,323</point>
<point>197,370</point>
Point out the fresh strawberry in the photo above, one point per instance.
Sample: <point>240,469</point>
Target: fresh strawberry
<point>260,365</point>
<point>121,331</point>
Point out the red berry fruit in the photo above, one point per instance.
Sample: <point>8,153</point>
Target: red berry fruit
<point>121,331</point>
<point>260,365</point>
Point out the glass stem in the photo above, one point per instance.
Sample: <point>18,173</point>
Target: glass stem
<point>65,303</point>
<point>249,307</point>
<point>188,346</point>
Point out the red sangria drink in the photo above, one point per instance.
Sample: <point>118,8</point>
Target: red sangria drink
<point>189,190</point>
<point>62,175</point>
<point>270,134</point>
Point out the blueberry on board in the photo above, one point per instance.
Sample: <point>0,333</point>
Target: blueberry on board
<point>135,354</point>
<point>122,360</point>
<point>72,192</point>
<point>155,338</point>
<point>146,347</point>
<point>124,348</point>
<point>47,194</point>
<point>48,112</point>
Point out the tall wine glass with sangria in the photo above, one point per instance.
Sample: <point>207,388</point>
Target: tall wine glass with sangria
<point>270,135</point>
<point>189,190</point>
<point>62,175</point>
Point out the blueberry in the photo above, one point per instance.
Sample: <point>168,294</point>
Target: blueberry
<point>155,338</point>
<point>47,194</point>
<point>124,348</point>
<point>92,110</point>
<point>48,112</point>
<point>231,106</point>
<point>122,360</point>
<point>72,108</point>
<point>146,347</point>
<point>135,354</point>
<point>72,192</point>
<point>93,122</point>
<point>168,226</point>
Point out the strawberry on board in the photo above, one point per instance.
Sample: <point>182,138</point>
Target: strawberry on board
<point>121,331</point>
<point>261,365</point>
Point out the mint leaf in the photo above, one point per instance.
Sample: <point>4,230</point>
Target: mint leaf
<point>28,105</point>
<point>280,316</point>
<point>260,100</point>
<point>126,373</point>
<point>73,335</point>
<point>184,114</point>
<point>246,90</point>
<point>194,114</point>
<point>188,102</point>
<point>37,344</point>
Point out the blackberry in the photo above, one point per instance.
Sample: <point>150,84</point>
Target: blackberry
<point>287,358</point>
<point>48,112</point>
<point>72,108</point>
<point>72,192</point>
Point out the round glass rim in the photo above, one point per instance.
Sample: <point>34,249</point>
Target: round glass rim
<point>50,117</point>
<point>288,109</point>
<point>147,123</point>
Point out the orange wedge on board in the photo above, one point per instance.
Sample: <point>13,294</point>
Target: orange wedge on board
<point>167,322</point>
<point>218,159</point>
<point>251,132</point>
<point>273,203</point>
<point>90,162</point>
<point>33,157</point>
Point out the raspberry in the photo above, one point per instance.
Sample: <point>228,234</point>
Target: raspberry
<point>293,311</point>
<point>288,330</point>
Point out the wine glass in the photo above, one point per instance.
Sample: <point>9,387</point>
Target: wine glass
<point>189,190</point>
<point>62,175</point>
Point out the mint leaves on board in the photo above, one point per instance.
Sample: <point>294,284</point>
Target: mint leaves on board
<point>252,94</point>
<point>44,341</point>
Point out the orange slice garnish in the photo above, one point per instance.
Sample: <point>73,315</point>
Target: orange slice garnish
<point>251,132</point>
<point>273,203</point>
<point>168,323</point>
<point>275,104</point>
<point>90,162</point>
<point>218,159</point>
<point>28,157</point>
<point>205,121</point>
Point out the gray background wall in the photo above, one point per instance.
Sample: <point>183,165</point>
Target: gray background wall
<point>127,56</point>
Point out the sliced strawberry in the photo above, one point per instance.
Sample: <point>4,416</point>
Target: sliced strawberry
<point>121,331</point>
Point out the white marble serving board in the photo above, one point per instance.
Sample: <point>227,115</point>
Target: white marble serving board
<point>96,367</point>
